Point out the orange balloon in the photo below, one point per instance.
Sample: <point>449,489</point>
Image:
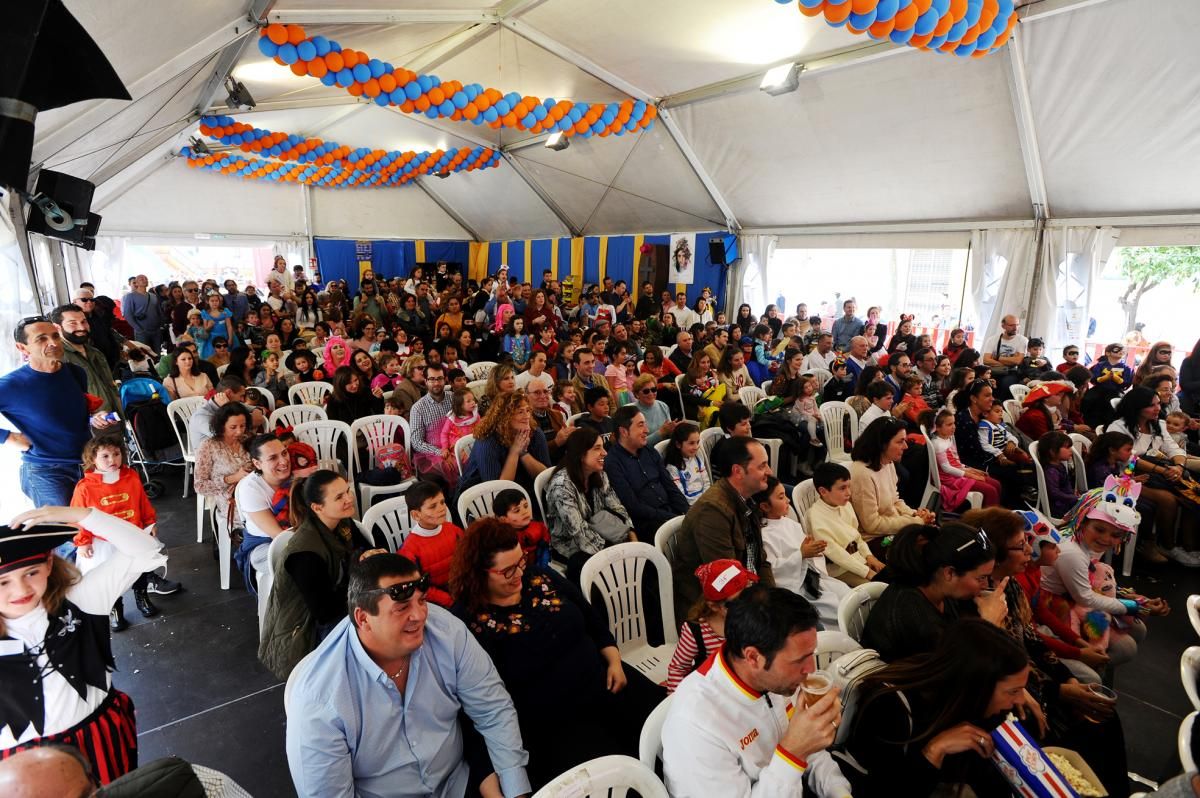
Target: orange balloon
<point>815,11</point>
<point>436,95</point>
<point>581,126</point>
<point>863,6</point>
<point>971,35</point>
<point>387,83</point>
<point>651,112</point>
<point>362,57</point>
<point>483,102</point>
<point>371,88</point>
<point>883,29</point>
<point>295,34</point>
<point>301,148</point>
<point>520,109</point>
<point>277,33</point>
<point>317,68</point>
<point>943,26</point>
<point>350,57</point>
<point>922,5</point>
<point>958,9</point>
<point>335,62</point>
<point>407,106</point>
<point>355,89</point>
<point>299,68</point>
<point>470,112</point>
<point>920,41</point>
<point>279,61</point>
<point>422,103</point>
<point>906,17</point>
<point>990,9</point>
<point>509,119</point>
<point>839,14</point>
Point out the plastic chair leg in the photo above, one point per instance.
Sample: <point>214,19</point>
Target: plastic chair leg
<point>200,507</point>
<point>224,551</point>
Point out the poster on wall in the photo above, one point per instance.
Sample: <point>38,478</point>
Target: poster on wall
<point>683,259</point>
<point>363,252</point>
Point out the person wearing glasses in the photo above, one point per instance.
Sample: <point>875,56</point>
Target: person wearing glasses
<point>374,710</point>
<point>938,575</point>
<point>551,649</point>
<point>658,416</point>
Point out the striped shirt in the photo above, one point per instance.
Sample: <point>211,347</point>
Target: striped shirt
<point>686,651</point>
<point>425,413</point>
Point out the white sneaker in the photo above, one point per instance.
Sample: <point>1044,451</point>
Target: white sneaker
<point>1188,559</point>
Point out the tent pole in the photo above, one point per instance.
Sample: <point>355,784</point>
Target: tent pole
<point>519,168</point>
<point>1018,83</point>
<point>256,14</point>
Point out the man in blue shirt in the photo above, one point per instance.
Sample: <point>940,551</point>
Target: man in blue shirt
<point>373,711</point>
<point>638,476</point>
<point>140,308</point>
<point>847,326</point>
<point>46,401</point>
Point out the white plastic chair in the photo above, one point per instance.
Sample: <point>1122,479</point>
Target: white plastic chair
<point>650,741</point>
<point>180,412</point>
<point>668,351</point>
<point>266,579</point>
<point>387,524</point>
<point>605,777</point>
<point>708,442</point>
<point>295,415</point>
<point>462,451</point>
<point>221,370</point>
<point>833,418</point>
<point>1012,411</point>
<point>1043,498</point>
<point>377,431</point>
<point>477,387</point>
<point>679,389</point>
<point>573,418</point>
<point>540,483</point>
<point>664,538</point>
<point>617,573</point>
<point>823,376</point>
<point>476,502</point>
<point>267,396</point>
<point>480,370</point>
<point>326,437</point>
<point>774,447</point>
<point>1079,448</point>
<point>750,396</point>
<point>933,484</point>
<point>856,606</point>
<point>224,544</point>
<point>804,496</point>
<point>1019,392</point>
<point>832,644</point>
<point>1193,611</point>
<point>309,393</point>
<point>661,447</point>
<point>1189,672</point>
<point>1185,742</point>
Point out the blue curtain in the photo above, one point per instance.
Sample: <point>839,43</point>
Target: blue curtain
<point>449,251</point>
<point>336,261</point>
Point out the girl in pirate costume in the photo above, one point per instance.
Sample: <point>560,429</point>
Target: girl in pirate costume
<point>55,650</point>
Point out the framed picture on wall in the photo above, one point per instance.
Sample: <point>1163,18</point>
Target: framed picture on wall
<point>682,266</point>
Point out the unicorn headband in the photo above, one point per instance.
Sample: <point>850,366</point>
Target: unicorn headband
<point>1115,502</point>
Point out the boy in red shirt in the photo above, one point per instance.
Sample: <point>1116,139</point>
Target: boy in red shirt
<point>513,508</point>
<point>110,486</point>
<point>433,538</point>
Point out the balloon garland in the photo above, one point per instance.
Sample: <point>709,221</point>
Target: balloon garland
<point>363,76</point>
<point>321,163</point>
<point>971,28</point>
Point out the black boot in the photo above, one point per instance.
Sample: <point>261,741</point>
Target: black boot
<point>116,617</point>
<point>161,587</point>
<point>142,600</point>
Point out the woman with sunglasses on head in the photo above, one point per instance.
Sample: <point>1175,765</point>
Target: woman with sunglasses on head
<point>575,698</point>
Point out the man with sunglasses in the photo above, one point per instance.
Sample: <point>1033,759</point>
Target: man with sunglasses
<point>373,711</point>
<point>47,401</point>
<point>637,473</point>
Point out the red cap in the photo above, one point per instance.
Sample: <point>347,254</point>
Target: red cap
<point>723,579</point>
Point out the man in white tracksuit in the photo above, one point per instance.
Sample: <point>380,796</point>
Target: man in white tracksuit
<point>737,726</point>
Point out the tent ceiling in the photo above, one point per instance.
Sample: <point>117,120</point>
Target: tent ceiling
<point>903,136</point>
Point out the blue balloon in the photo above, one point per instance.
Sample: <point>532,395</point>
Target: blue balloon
<point>957,31</point>
<point>901,36</point>
<point>287,53</point>
<point>334,47</point>
<point>936,42</point>
<point>382,99</point>
<point>226,120</point>
<point>1006,9</point>
<point>540,112</point>
<point>926,23</point>
<point>575,114</point>
<point>491,114</point>
<point>811,3</point>
<point>412,90</point>
<point>999,24</point>
<point>986,40</point>
<point>432,113</point>
<point>321,44</point>
<point>974,12</point>
<point>267,47</point>
<point>886,10</point>
<point>529,120</point>
<point>965,50</point>
<point>375,66</point>
<point>293,139</point>
<point>460,99</point>
<point>502,107</point>
<point>549,103</point>
<point>306,50</point>
<point>472,93</point>
<point>941,6</point>
<point>587,134</point>
<point>345,77</point>
<point>425,83</point>
<point>361,72</point>
<point>863,21</point>
<point>276,151</point>
<point>446,108</point>
<point>397,96</point>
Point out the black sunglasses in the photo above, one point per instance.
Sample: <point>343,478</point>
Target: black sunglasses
<point>649,390</point>
<point>405,590</point>
<point>83,299</point>
<point>31,320</point>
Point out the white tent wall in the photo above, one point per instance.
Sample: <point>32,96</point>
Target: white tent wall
<point>380,213</point>
<point>1000,278</point>
<point>1073,259</point>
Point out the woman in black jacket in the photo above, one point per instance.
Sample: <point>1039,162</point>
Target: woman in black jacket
<point>351,398</point>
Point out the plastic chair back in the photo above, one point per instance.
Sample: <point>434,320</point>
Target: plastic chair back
<point>617,574</point>
<point>1185,742</point>
<point>804,496</point>
<point>1012,411</point>
<point>823,376</point>
<point>377,431</point>
<point>832,644</point>
<point>834,416</point>
<point>933,483</point>
<point>856,606</point>
<point>540,483</point>
<point>679,389</point>
<point>266,579</point>
<point>613,776</point>
<point>462,451</point>
<point>477,387</point>
<point>476,501</point>
<point>480,370</point>
<point>650,742</point>
<point>750,396</point>
<point>309,393</point>
<point>661,448</point>
<point>1018,392</point>
<point>328,438</point>
<point>1189,672</point>
<point>664,538</point>
<point>180,412</point>
<point>387,523</point>
<point>1043,498</point>
<point>267,396</point>
<point>295,415</point>
<point>1193,611</point>
<point>708,442</point>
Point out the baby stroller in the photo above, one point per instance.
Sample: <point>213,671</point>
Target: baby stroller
<point>148,432</point>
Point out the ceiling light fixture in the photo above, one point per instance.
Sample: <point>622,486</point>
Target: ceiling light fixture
<point>781,79</point>
<point>557,141</point>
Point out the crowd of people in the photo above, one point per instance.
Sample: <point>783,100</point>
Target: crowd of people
<point>469,660</point>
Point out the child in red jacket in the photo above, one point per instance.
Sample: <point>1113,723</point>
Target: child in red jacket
<point>112,487</point>
<point>433,538</point>
<point>513,508</point>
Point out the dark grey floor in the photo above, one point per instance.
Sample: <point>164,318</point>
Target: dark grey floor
<point>202,694</point>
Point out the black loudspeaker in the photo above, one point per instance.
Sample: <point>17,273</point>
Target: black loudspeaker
<point>74,196</point>
<point>716,251</point>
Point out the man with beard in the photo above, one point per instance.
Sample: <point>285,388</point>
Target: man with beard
<point>72,323</point>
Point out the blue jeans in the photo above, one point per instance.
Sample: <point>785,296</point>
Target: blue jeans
<point>51,485</point>
<point>241,558</point>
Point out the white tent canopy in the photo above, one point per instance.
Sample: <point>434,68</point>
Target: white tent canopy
<point>1089,113</point>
